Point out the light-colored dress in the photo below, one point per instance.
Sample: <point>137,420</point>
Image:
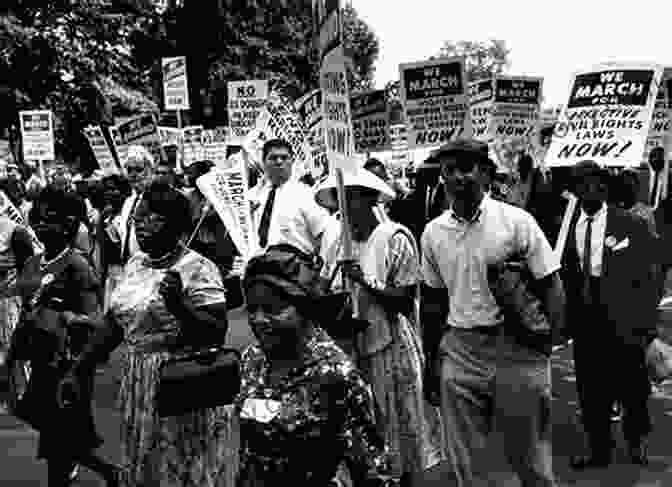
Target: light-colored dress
<point>191,450</point>
<point>390,353</point>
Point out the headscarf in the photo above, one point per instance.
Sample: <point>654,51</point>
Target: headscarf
<point>288,270</point>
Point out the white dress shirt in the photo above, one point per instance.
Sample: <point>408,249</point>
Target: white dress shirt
<point>598,230</point>
<point>123,225</point>
<point>296,218</point>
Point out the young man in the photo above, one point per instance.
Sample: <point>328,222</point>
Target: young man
<point>285,211</point>
<point>609,267</point>
<point>484,369</point>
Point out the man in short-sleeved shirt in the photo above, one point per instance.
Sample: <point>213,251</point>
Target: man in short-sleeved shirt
<point>483,369</point>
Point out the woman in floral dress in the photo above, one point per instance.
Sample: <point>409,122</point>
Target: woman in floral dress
<point>385,268</point>
<point>306,413</point>
<point>168,297</point>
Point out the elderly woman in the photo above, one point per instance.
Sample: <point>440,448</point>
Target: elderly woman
<point>385,268</point>
<point>168,300</point>
<point>306,413</point>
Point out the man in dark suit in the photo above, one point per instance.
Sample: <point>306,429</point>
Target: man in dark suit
<point>608,267</point>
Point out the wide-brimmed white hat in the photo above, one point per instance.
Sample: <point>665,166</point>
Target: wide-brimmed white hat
<point>325,194</point>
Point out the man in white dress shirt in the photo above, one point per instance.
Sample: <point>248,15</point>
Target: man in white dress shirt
<point>139,164</point>
<point>284,211</point>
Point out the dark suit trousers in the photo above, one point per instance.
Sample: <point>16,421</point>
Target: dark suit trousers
<point>609,370</point>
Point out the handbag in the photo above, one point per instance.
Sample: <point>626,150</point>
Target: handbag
<point>344,325</point>
<point>198,379</point>
<point>659,359</point>
<point>524,314</point>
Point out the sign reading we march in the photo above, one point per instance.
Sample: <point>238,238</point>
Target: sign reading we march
<point>607,116</point>
<point>436,105</point>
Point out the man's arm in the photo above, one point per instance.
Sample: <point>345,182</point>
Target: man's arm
<point>552,293</point>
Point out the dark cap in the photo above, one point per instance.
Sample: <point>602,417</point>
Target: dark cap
<point>464,146</point>
<point>588,168</point>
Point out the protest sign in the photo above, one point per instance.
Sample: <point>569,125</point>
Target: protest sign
<point>370,121</point>
<point>120,150</point>
<point>245,101</point>
<point>434,95</point>
<point>192,145</point>
<point>141,130</point>
<point>660,131</point>
<point>227,192</point>
<point>169,136</point>
<point>101,149</point>
<point>309,108</point>
<point>37,135</point>
<point>8,209</point>
<point>338,134</point>
<point>481,94</point>
<point>175,91</point>
<point>515,107</point>
<point>607,116</point>
<point>215,143</point>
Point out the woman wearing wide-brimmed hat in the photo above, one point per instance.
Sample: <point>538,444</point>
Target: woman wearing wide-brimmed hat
<point>385,268</point>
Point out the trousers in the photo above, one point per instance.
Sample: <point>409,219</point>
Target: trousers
<point>487,378</point>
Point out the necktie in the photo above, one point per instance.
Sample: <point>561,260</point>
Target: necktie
<point>655,190</point>
<point>587,251</point>
<point>125,251</point>
<point>265,222</point>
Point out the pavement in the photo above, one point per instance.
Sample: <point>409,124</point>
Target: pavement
<point>18,467</point>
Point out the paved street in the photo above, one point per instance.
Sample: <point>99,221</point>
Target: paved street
<point>18,468</point>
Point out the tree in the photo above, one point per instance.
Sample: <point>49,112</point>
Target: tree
<point>483,59</point>
<point>67,56</point>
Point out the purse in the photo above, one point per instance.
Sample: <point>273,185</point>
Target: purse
<point>197,380</point>
<point>659,360</point>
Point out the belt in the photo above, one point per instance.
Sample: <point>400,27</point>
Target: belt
<point>483,330</point>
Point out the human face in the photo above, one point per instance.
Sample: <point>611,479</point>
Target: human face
<point>165,175</point>
<point>592,192</point>
<point>137,172</point>
<point>50,227</point>
<point>154,233</point>
<point>278,165</point>
<point>275,322</point>
<point>462,176</point>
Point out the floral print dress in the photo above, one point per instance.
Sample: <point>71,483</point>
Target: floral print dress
<point>314,428</point>
<point>191,450</point>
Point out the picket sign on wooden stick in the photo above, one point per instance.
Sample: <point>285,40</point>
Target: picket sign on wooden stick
<point>346,236</point>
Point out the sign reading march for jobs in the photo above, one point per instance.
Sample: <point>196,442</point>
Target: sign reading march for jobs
<point>607,117</point>
<point>434,94</point>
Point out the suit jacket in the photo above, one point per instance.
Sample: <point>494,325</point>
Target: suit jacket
<point>628,287</point>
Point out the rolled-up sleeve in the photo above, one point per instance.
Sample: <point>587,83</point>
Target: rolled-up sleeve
<point>534,246</point>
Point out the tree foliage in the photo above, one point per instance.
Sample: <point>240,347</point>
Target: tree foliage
<point>483,59</point>
<point>91,60</point>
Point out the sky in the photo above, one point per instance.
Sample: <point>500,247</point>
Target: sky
<point>552,39</point>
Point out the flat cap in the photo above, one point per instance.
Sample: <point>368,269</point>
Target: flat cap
<point>463,145</point>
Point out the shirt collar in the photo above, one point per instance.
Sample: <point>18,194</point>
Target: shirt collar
<point>477,215</point>
<point>584,216</point>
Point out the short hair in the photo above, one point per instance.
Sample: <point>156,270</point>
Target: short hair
<point>587,168</point>
<point>166,201</point>
<point>199,168</point>
<point>658,152</point>
<point>275,144</point>
<point>69,205</point>
<point>139,152</point>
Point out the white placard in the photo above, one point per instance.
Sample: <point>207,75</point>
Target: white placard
<point>435,99</point>
<point>175,90</point>
<point>607,117</point>
<point>37,135</point>
<point>245,101</point>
